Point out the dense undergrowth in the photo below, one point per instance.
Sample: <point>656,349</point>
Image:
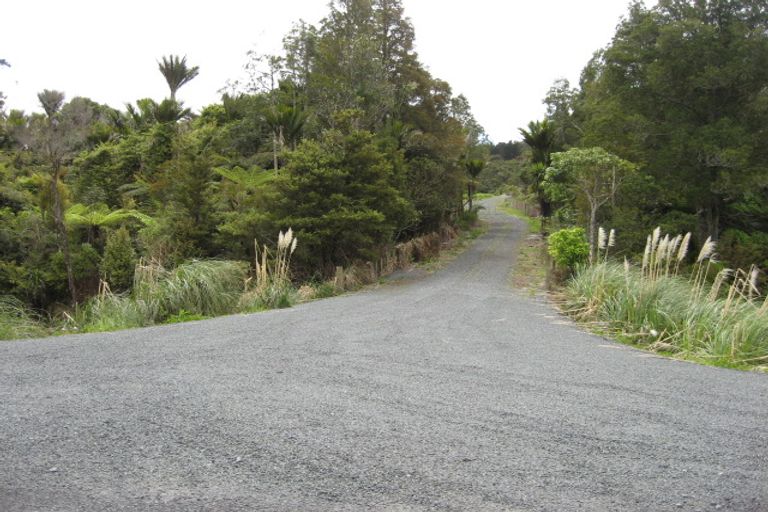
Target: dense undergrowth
<point>200,289</point>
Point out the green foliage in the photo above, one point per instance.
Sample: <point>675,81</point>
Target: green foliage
<point>191,290</point>
<point>341,195</point>
<point>586,179</point>
<point>569,248</point>
<point>668,314</point>
<point>499,174</point>
<point>682,89</point>
<point>275,295</point>
<point>183,316</point>
<point>176,72</point>
<point>366,145</point>
<point>119,260</point>
<point>207,288</point>
<point>113,312</point>
<point>16,321</point>
<point>469,218</point>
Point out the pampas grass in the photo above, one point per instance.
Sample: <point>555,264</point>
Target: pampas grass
<point>723,323</point>
<point>271,285</point>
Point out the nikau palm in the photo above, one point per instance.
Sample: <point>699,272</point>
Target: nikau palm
<point>176,72</point>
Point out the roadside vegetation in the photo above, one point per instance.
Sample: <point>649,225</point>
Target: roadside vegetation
<point>663,130</point>
<point>705,312</point>
<point>114,217</point>
<point>129,216</point>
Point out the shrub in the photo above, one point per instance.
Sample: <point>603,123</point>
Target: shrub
<point>273,288</point>
<point>119,260</point>
<point>569,247</point>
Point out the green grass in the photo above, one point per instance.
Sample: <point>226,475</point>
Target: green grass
<point>534,223</point>
<point>467,235</point>
<point>191,291</point>
<point>16,321</point>
<point>275,295</point>
<point>530,270</point>
<point>666,315</point>
<point>184,316</point>
<point>479,196</point>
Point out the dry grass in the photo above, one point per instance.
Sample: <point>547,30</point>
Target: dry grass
<point>271,285</point>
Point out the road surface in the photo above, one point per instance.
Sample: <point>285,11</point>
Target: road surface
<point>446,392</point>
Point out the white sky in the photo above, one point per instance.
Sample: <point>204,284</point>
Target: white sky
<point>502,54</point>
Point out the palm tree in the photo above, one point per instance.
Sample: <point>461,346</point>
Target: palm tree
<point>51,101</point>
<point>540,137</point>
<point>287,124</point>
<point>176,72</point>
<point>474,168</point>
<point>97,216</point>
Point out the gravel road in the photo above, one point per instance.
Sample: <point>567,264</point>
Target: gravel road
<point>446,392</point>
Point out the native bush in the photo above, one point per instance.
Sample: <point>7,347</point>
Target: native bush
<point>119,260</point>
<point>569,247</point>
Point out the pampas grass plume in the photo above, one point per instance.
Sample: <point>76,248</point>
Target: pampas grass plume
<point>683,250</point>
<point>707,250</point>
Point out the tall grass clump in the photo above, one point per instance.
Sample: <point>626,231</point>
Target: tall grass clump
<point>208,287</point>
<point>198,288</point>
<point>718,318</point>
<point>17,322</point>
<point>271,286</point>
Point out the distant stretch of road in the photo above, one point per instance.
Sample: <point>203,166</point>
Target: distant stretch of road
<point>450,391</point>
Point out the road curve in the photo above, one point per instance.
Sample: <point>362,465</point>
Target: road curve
<point>448,392</point>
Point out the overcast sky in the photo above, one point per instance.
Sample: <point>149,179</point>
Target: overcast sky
<point>502,54</point>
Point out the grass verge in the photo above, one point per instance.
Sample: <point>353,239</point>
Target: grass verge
<point>466,236</point>
<point>534,223</point>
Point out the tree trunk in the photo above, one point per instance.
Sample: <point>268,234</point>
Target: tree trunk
<point>61,230</point>
<point>274,150</point>
<point>469,195</point>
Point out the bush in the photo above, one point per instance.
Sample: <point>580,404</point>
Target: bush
<point>119,260</point>
<point>569,247</point>
<point>469,218</point>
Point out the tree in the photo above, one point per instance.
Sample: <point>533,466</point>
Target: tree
<point>176,72</point>
<point>473,168</point>
<point>117,266</point>
<point>683,87</point>
<point>286,123</point>
<point>3,63</point>
<point>97,216</point>
<point>57,137</point>
<point>342,196</point>
<point>540,137</point>
<point>589,178</point>
<point>561,108</point>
